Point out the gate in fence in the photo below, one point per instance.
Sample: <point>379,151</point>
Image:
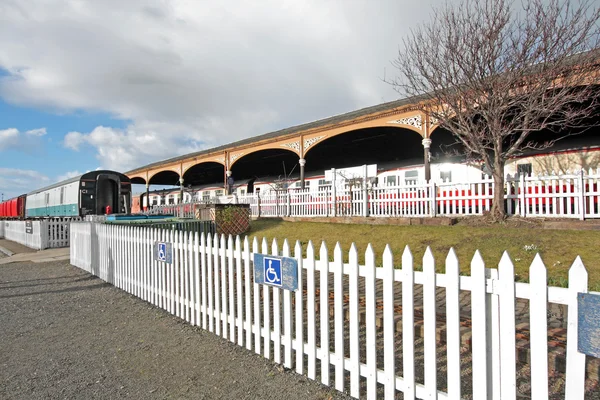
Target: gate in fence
<point>329,329</point>
<point>38,234</point>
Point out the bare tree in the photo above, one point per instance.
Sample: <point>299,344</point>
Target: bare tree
<point>492,73</point>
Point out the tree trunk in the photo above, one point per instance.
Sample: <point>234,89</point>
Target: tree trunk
<point>498,208</point>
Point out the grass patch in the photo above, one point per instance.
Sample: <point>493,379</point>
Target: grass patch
<point>558,248</point>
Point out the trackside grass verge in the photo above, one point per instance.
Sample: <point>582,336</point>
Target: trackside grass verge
<point>558,248</point>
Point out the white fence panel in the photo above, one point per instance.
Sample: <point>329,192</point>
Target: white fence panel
<point>209,283</point>
<point>559,196</point>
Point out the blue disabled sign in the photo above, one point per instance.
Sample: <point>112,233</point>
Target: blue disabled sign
<point>163,251</point>
<point>281,272</point>
<point>588,324</point>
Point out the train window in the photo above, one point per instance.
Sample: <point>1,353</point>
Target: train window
<point>446,176</point>
<point>524,169</point>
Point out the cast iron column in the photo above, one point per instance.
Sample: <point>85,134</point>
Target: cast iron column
<point>426,145</point>
<point>147,198</point>
<point>302,163</point>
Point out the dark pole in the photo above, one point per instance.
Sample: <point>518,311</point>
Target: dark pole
<point>147,197</point>
<point>180,190</point>
<point>302,163</point>
<point>426,145</point>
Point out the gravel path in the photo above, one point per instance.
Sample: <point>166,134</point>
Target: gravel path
<point>66,334</point>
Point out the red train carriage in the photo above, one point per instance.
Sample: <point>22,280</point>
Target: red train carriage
<point>13,208</point>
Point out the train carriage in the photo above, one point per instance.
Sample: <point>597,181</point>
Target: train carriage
<point>91,193</point>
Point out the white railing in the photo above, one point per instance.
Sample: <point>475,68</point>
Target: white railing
<point>210,284</point>
<point>38,234</point>
<point>562,196</point>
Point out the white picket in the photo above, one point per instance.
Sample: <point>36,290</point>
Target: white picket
<point>186,276</point>
<point>216,277</point>
<point>210,284</point>
<point>198,280</point>
<point>371,345</point>
<point>287,316</point>
<point>389,326</point>
<point>354,367</point>
<point>338,292</point>
<point>311,348</point>
<point>324,312</point>
<point>299,310</point>
<point>276,313</point>
<point>224,306</point>
<point>408,332</point>
<point>508,362</point>
<point>538,327</point>
<point>247,279</point>
<point>575,371</point>
<point>204,259</point>
<point>256,294</point>
<point>232,310</point>
<point>429,324</point>
<point>266,310</point>
<point>453,324</point>
<point>239,293</point>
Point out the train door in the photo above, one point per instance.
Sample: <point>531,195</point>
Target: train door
<point>107,194</point>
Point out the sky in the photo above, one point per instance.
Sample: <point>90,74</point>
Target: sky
<point>112,84</point>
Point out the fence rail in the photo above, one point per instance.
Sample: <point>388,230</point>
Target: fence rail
<point>38,234</point>
<point>210,284</point>
<point>561,196</point>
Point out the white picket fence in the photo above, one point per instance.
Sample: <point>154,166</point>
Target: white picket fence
<point>45,234</point>
<point>560,196</point>
<point>210,284</point>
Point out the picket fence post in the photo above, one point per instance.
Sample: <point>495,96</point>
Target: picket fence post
<point>575,370</point>
<point>581,192</point>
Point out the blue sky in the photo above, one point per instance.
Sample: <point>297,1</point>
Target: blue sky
<point>110,84</point>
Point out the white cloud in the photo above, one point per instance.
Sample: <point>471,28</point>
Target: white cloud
<point>14,182</point>
<point>12,138</point>
<point>188,75</point>
<point>36,132</point>
<point>68,175</point>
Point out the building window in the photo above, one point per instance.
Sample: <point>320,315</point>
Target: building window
<point>411,177</point>
<point>446,176</point>
<point>524,169</point>
<point>171,200</point>
<point>390,180</point>
<point>323,184</point>
<point>154,202</point>
<point>242,192</point>
<point>205,196</point>
<point>219,192</point>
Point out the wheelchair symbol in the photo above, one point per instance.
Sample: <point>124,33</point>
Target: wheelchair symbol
<point>162,252</point>
<point>273,271</point>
